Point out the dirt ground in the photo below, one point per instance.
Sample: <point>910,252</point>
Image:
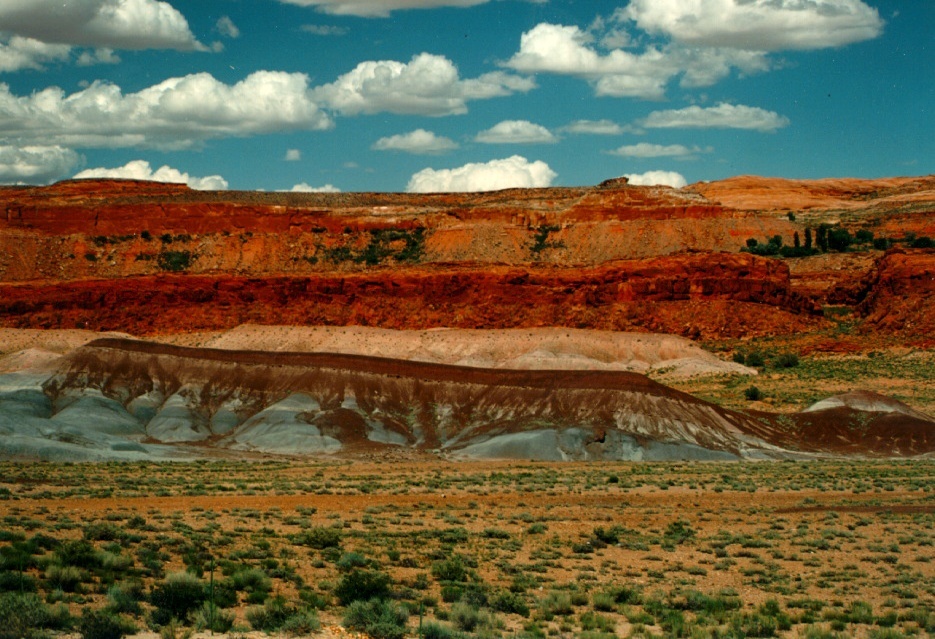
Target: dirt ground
<point>821,539</point>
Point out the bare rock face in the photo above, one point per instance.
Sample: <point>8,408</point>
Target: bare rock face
<point>660,295</point>
<point>112,229</point>
<point>898,295</point>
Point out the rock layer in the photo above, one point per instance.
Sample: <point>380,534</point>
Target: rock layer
<point>656,295</point>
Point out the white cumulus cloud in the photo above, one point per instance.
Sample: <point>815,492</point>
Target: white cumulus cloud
<point>176,113</point>
<point>516,132</point>
<point>324,30</point>
<point>512,172</point>
<point>757,25</point>
<point>419,141</point>
<point>226,27</point>
<point>653,178</point>
<point>91,57</point>
<point>378,8</point>
<point>720,116</point>
<point>426,85</point>
<point>141,170</point>
<point>595,127</point>
<point>28,53</point>
<point>116,24</point>
<point>293,155</point>
<point>307,188</point>
<point>568,50</point>
<point>33,164</point>
<point>647,150</point>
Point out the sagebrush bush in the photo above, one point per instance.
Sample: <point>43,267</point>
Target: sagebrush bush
<point>351,560</point>
<point>103,624</point>
<point>753,394</point>
<point>378,618</point>
<point>320,538</point>
<point>362,585</point>
<point>210,617</point>
<point>24,616</point>
<point>270,616</point>
<point>255,582</point>
<point>755,359</point>
<point>450,569</point>
<point>435,630</point>
<point>65,578</point>
<point>126,598</point>
<point>302,622</point>
<point>180,594</point>
<point>465,617</point>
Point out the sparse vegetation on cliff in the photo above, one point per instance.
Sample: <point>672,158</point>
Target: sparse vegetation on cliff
<point>399,245</point>
<point>541,242</point>
<point>175,261</point>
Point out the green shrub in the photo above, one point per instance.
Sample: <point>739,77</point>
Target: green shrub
<point>839,239</point>
<point>863,236</point>
<point>174,261</point>
<point>16,582</point>
<point>631,595</point>
<point>465,617</point>
<point>378,618</point>
<point>65,578</point>
<point>450,569</point>
<point>126,598</point>
<point>251,581</point>
<point>210,617</point>
<point>787,360</point>
<point>755,359</point>
<point>350,560</point>
<point>224,593</point>
<point>509,602</point>
<point>451,592</point>
<point>434,630</point>
<point>739,358</point>
<point>678,532</point>
<point>24,616</point>
<point>176,597</point>
<point>103,531</point>
<point>302,622</point>
<point>320,538</point>
<point>103,624</point>
<point>271,616</point>
<point>362,585</point>
<point>79,553</point>
<point>753,394</point>
<point>555,603</point>
<point>593,621</point>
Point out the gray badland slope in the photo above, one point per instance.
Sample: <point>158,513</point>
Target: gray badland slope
<point>126,399</point>
<point>308,403</point>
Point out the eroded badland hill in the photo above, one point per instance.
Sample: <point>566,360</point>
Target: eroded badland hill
<point>831,297</point>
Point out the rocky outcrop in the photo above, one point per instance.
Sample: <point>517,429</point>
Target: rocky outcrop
<point>112,229</point>
<point>898,295</point>
<point>658,295</point>
<point>750,192</point>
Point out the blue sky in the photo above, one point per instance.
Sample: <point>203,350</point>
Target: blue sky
<point>435,95</point>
